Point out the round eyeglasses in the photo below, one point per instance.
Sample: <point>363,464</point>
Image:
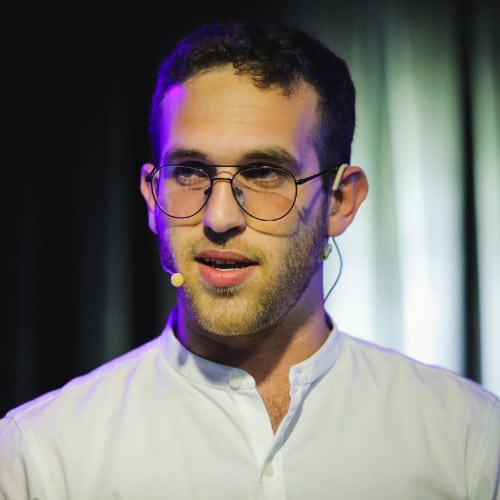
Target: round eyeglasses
<point>267,193</point>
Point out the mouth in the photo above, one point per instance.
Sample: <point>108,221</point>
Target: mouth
<point>224,269</point>
<point>224,264</point>
<point>224,259</point>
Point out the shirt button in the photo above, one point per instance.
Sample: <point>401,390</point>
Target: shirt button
<point>235,380</point>
<point>268,470</point>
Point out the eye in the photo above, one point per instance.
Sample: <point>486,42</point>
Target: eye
<point>264,176</point>
<point>186,175</point>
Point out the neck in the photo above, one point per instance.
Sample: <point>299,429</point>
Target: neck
<point>264,354</point>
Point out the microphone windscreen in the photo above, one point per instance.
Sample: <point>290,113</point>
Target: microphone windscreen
<point>177,280</point>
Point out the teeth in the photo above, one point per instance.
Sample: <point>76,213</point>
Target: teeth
<point>227,264</point>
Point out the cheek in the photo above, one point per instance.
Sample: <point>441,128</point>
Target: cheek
<point>180,241</point>
<point>168,227</point>
<point>309,211</point>
<point>161,223</point>
<point>166,242</point>
<point>285,227</point>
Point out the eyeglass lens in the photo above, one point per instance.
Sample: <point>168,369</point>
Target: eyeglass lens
<point>263,192</point>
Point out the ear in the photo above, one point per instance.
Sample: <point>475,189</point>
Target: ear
<point>346,199</point>
<point>148,195</point>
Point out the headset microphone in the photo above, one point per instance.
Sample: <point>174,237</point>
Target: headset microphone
<point>177,280</point>
<point>338,176</point>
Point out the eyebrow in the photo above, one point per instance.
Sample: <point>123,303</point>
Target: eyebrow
<point>271,155</point>
<point>182,154</point>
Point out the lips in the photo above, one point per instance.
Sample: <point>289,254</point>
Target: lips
<point>224,268</point>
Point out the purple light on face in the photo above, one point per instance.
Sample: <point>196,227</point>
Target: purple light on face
<point>171,105</point>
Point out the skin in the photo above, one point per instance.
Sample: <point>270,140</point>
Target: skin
<point>274,317</point>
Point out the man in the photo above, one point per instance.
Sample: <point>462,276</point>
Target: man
<point>252,391</point>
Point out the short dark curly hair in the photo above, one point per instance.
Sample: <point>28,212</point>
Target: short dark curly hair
<point>273,56</point>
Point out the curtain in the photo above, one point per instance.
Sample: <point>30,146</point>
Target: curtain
<point>421,266</point>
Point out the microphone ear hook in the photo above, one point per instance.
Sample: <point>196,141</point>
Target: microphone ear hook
<point>338,176</point>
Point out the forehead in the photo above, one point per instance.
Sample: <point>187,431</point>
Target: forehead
<point>220,110</point>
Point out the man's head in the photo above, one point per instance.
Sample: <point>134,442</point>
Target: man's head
<point>241,99</point>
<point>274,57</point>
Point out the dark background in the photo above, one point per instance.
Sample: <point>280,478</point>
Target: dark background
<point>80,272</point>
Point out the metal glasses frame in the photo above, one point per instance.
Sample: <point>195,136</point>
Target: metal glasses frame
<point>298,182</point>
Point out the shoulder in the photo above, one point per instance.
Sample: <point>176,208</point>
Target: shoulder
<point>45,440</point>
<point>100,388</point>
<point>430,385</point>
<point>440,426</point>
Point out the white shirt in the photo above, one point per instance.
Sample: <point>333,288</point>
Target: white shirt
<point>162,423</point>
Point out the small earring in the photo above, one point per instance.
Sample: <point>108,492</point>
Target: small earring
<point>325,252</point>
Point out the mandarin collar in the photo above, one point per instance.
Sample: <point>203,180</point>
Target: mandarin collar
<point>204,371</point>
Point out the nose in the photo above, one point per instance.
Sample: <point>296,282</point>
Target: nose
<point>222,212</point>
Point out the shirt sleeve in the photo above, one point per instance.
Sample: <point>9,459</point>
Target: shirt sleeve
<point>19,477</point>
<point>486,478</point>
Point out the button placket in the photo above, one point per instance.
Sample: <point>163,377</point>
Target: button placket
<point>268,469</point>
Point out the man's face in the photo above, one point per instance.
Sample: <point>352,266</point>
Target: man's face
<point>242,275</point>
